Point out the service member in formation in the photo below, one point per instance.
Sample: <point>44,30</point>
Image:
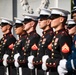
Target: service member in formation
<point>60,46</point>
<point>73,13</point>
<point>6,45</point>
<point>30,23</point>
<point>43,45</point>
<point>18,48</point>
<point>70,64</point>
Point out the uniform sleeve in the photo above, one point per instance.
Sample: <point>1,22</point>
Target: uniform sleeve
<point>65,50</point>
<point>71,62</point>
<point>9,45</point>
<point>43,49</point>
<point>65,46</point>
<point>34,45</point>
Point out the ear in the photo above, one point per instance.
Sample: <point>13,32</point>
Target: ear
<point>32,23</point>
<point>48,21</point>
<point>8,27</point>
<point>61,19</point>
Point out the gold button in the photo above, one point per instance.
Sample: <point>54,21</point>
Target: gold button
<point>37,61</point>
<point>40,60</point>
<point>38,49</point>
<point>55,43</point>
<point>24,50</point>
<point>50,63</point>
<point>20,60</point>
<point>42,46</point>
<point>53,63</point>
<point>37,53</point>
<point>46,63</point>
<point>52,41</point>
<point>56,32</point>
<point>52,50</point>
<point>52,53</point>
<point>52,57</point>
<point>24,53</point>
<point>3,43</point>
<point>54,36</point>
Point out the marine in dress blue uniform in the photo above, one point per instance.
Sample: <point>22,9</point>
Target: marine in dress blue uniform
<point>46,38</point>
<point>30,23</point>
<point>60,46</point>
<point>18,47</point>
<point>70,64</point>
<point>7,41</point>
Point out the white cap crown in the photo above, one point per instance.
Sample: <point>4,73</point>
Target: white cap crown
<point>71,21</point>
<point>18,20</point>
<point>45,12</point>
<point>5,20</point>
<point>59,11</point>
<point>30,16</point>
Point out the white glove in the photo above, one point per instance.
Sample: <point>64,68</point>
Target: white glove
<point>61,70</point>
<point>5,59</point>
<point>30,66</point>
<point>62,63</point>
<point>16,64</point>
<point>44,67</point>
<point>16,60</point>
<point>44,58</point>
<point>30,59</point>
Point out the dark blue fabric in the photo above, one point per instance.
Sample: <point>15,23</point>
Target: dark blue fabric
<point>72,56</point>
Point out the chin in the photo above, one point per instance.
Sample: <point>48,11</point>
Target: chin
<point>52,26</point>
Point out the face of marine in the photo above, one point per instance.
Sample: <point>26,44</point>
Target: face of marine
<point>19,30</point>
<point>44,23</point>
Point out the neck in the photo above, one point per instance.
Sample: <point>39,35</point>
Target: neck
<point>30,30</point>
<point>8,31</point>
<point>59,28</point>
<point>47,28</point>
<point>22,33</point>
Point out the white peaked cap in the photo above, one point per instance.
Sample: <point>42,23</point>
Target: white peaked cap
<point>59,11</point>
<point>71,21</point>
<point>45,12</point>
<point>5,20</point>
<point>18,20</point>
<point>74,9</point>
<point>30,16</point>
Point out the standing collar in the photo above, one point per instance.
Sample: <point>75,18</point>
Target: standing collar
<point>60,31</point>
<point>7,34</point>
<point>31,32</point>
<point>45,32</point>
